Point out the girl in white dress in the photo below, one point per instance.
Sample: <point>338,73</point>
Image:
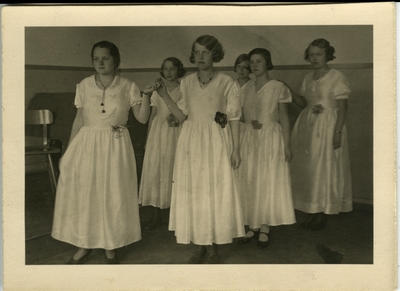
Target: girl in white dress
<point>96,203</point>
<point>205,206</point>
<point>321,178</point>
<point>264,176</point>
<point>163,133</point>
<point>242,69</point>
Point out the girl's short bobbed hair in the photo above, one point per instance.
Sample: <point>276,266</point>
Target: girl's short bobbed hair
<point>212,44</point>
<point>241,58</point>
<point>177,63</point>
<point>112,48</point>
<point>266,55</point>
<point>321,43</point>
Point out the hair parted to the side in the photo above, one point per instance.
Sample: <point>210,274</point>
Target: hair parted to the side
<point>321,43</point>
<point>265,54</point>
<point>112,48</point>
<point>177,63</point>
<point>241,58</point>
<point>212,44</point>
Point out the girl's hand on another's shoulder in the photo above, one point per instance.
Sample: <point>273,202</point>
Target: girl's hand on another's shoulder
<point>288,155</point>
<point>151,87</point>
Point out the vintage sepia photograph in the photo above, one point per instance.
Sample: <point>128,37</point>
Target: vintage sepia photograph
<point>199,147</point>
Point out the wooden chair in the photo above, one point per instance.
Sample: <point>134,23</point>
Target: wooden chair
<point>42,145</point>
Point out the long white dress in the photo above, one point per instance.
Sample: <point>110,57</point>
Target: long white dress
<point>321,177</point>
<point>205,206</point>
<point>96,202</point>
<point>264,176</point>
<point>156,181</point>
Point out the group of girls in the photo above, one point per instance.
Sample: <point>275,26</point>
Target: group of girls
<point>217,152</point>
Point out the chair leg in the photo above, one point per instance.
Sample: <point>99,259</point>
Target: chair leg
<point>52,174</point>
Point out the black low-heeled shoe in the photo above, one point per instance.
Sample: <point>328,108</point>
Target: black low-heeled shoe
<point>264,244</point>
<point>245,240</point>
<point>319,224</point>
<point>82,260</point>
<point>198,258</point>
<point>308,221</point>
<point>213,259</point>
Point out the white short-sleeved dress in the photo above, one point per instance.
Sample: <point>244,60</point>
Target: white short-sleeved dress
<point>205,206</point>
<point>156,181</point>
<point>321,177</point>
<point>264,176</point>
<point>96,202</point>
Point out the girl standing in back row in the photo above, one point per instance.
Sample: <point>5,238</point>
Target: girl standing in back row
<point>163,133</point>
<point>321,178</point>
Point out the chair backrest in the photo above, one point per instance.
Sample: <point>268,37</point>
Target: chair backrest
<point>39,117</point>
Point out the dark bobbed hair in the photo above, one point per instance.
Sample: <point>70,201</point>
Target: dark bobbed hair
<point>266,55</point>
<point>112,48</point>
<point>212,44</point>
<point>241,58</point>
<point>321,43</point>
<point>177,63</point>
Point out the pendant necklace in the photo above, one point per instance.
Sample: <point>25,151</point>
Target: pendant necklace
<point>209,80</point>
<point>104,91</point>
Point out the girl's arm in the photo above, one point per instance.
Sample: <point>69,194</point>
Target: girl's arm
<point>152,115</point>
<point>235,158</point>
<point>285,124</point>
<point>172,106</point>
<point>77,125</point>
<point>341,119</point>
<point>142,111</point>
<point>298,99</point>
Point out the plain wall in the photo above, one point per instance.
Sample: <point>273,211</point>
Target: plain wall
<point>59,58</point>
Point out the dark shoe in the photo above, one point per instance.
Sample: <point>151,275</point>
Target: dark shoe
<point>308,221</point>
<point>319,222</point>
<point>112,261</point>
<point>82,260</point>
<point>264,244</point>
<point>245,240</point>
<point>198,258</point>
<point>155,223</point>
<point>213,259</point>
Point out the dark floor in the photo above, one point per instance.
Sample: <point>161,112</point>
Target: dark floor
<point>348,236</point>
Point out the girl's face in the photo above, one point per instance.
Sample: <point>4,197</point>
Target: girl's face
<point>258,65</point>
<point>317,56</point>
<point>243,70</point>
<point>170,71</point>
<point>202,57</point>
<point>103,62</point>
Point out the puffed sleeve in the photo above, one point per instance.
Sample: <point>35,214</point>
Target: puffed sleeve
<point>234,101</point>
<point>284,94</point>
<point>78,96</point>
<point>341,89</point>
<point>182,105</point>
<point>154,99</point>
<point>134,95</point>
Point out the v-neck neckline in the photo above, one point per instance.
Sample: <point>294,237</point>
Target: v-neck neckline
<point>322,77</point>
<point>208,84</point>
<point>262,86</point>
